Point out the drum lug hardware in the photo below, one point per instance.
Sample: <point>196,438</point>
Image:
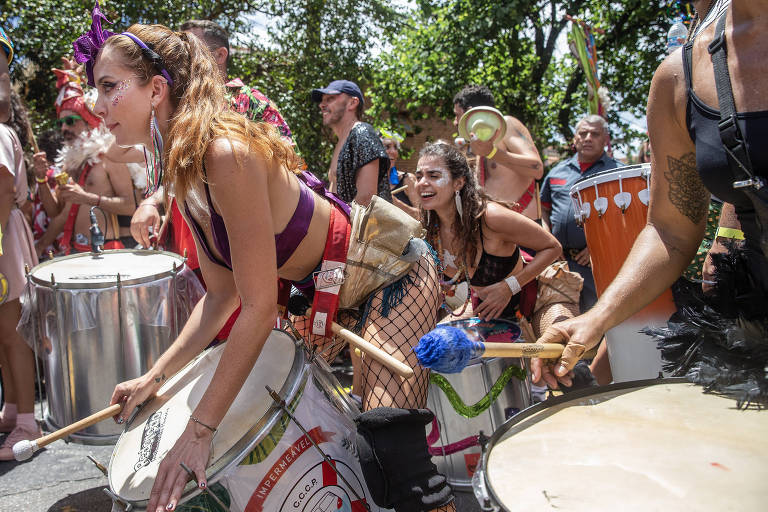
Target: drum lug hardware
<point>127,507</point>
<point>281,403</point>
<point>98,465</point>
<point>206,491</point>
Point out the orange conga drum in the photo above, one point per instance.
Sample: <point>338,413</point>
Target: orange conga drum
<point>612,207</point>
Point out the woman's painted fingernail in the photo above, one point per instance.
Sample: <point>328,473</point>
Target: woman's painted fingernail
<point>202,485</point>
<point>169,506</point>
<point>120,420</point>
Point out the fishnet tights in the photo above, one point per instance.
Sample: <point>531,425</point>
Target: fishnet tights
<point>397,334</point>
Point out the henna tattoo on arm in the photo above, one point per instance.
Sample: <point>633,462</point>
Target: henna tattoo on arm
<point>160,379</point>
<point>686,191</point>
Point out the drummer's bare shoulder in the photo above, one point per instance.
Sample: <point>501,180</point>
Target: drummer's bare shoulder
<point>518,140</point>
<point>676,182</point>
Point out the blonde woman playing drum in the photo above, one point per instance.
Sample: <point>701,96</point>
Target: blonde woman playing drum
<point>236,182</point>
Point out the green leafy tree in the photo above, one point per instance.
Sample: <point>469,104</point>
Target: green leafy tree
<point>512,47</point>
<point>43,32</point>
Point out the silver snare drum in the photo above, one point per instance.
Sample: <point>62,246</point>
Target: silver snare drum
<point>100,320</point>
<point>480,398</point>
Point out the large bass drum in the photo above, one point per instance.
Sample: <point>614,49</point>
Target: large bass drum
<point>659,444</point>
<point>98,320</point>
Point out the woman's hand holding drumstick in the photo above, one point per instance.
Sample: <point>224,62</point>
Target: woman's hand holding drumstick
<point>299,306</point>
<point>23,450</point>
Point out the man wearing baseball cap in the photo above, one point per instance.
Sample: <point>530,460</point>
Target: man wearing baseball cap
<point>359,164</point>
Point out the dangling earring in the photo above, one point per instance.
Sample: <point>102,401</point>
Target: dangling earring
<point>428,212</point>
<point>155,162</point>
<point>457,196</point>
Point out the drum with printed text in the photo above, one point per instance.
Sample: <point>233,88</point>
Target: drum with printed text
<point>262,459</point>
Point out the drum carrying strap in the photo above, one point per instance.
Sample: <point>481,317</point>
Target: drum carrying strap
<point>733,141</point>
<point>331,274</point>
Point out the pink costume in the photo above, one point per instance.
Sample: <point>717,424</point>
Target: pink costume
<point>18,244</point>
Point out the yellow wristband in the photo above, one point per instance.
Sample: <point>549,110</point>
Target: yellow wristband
<point>736,234</point>
<point>493,152</point>
<point>40,180</point>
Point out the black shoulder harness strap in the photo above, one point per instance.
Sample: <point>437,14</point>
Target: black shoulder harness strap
<point>730,134</point>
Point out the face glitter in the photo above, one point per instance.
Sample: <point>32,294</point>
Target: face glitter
<point>120,88</point>
<point>444,179</point>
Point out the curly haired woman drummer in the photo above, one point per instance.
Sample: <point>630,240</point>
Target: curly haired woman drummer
<point>478,239</point>
<point>254,219</point>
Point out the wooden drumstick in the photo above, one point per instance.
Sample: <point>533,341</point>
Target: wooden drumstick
<point>23,450</point>
<point>398,189</point>
<point>370,349</point>
<point>545,350</point>
<point>448,349</point>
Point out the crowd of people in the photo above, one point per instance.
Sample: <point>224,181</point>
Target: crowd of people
<point>218,154</point>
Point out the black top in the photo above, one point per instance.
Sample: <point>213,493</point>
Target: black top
<point>362,146</point>
<point>492,269</point>
<point>711,159</point>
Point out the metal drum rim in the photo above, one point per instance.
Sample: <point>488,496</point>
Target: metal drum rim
<point>598,178</point>
<point>553,402</point>
<point>294,383</point>
<point>100,285</point>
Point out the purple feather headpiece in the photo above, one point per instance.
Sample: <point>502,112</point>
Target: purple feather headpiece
<point>88,45</point>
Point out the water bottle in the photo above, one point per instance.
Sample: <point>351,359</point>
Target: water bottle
<point>677,35</point>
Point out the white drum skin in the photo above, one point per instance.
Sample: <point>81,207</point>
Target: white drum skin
<point>667,446</point>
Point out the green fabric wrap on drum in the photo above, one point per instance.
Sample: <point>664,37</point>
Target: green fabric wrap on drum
<point>470,411</point>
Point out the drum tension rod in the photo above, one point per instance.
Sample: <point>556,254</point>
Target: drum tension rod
<point>98,465</point>
<point>281,403</point>
<point>127,507</point>
<point>207,491</point>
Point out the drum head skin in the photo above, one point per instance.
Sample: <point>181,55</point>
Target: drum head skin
<point>664,447</point>
<point>154,431</point>
<point>100,271</point>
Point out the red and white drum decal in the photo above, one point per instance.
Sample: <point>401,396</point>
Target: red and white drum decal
<point>321,490</point>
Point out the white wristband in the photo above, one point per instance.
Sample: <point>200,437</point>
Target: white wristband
<point>513,284</point>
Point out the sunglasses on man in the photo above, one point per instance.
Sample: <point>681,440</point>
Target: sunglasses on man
<point>68,120</point>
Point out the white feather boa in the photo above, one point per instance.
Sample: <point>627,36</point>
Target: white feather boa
<point>87,149</point>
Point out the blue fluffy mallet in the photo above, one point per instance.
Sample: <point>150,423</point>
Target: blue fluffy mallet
<point>447,349</point>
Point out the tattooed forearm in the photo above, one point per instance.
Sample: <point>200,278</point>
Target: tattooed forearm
<point>686,191</point>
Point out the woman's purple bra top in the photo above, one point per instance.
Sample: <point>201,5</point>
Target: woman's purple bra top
<point>286,242</point>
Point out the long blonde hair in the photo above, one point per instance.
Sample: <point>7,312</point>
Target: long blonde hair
<point>201,113</point>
